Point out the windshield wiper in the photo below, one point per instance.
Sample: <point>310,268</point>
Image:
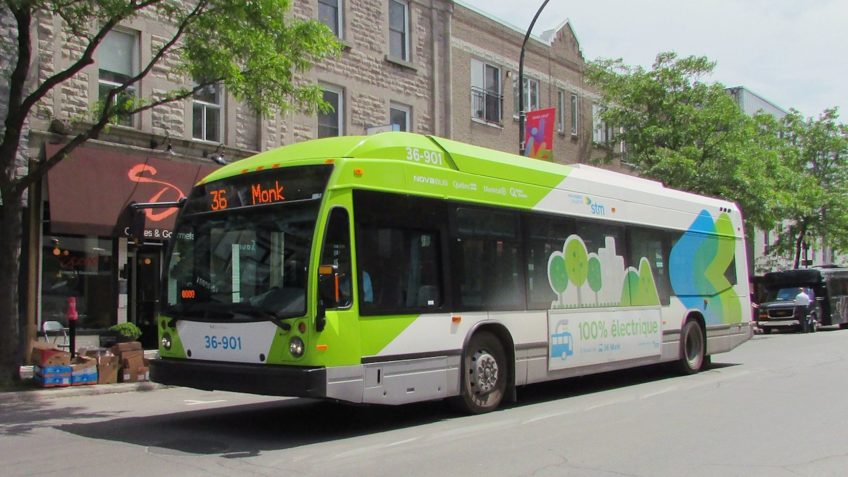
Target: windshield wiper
<point>232,310</point>
<point>278,320</point>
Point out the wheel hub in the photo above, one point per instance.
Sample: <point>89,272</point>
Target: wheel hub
<point>484,372</point>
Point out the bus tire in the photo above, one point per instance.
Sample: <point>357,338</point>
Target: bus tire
<point>693,347</point>
<point>484,374</point>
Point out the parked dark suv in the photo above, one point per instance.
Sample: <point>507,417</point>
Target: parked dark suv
<point>778,311</point>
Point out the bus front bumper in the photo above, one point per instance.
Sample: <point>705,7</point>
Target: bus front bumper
<point>272,380</point>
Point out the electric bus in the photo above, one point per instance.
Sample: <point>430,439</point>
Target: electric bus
<point>399,267</point>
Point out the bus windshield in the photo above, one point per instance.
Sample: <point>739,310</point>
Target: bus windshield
<point>241,247</point>
<point>249,264</point>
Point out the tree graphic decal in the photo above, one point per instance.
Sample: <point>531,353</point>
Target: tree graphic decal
<point>576,263</point>
<point>557,275</point>
<point>595,282</point>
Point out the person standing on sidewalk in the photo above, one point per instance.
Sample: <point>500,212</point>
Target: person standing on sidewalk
<point>802,305</point>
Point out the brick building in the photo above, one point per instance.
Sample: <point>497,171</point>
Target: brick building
<point>415,65</point>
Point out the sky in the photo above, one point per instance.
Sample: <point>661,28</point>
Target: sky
<point>793,53</point>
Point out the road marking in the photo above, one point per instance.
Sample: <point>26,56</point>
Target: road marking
<point>405,441</point>
<point>657,393</point>
<point>548,416</point>
<point>194,402</point>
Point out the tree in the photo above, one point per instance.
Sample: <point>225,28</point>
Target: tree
<point>816,151</point>
<point>689,134</point>
<point>255,49</point>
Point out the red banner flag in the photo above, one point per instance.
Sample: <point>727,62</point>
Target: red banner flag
<point>539,131</point>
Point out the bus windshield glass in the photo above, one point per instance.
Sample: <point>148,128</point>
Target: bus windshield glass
<point>246,261</point>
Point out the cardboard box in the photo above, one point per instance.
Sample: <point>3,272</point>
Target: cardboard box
<point>107,369</point>
<point>135,375</point>
<point>120,348</point>
<point>87,378</point>
<point>132,359</point>
<point>53,381</point>
<point>56,369</point>
<point>47,354</point>
<point>53,376</point>
<point>83,365</point>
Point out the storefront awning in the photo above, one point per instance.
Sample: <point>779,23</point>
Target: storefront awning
<point>89,191</point>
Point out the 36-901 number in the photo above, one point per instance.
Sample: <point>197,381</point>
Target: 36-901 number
<point>433,158</point>
<point>222,342</point>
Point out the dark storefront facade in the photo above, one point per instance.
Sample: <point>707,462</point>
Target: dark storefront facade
<point>87,254</point>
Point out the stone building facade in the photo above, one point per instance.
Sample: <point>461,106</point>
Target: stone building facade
<point>406,64</point>
<point>553,72</point>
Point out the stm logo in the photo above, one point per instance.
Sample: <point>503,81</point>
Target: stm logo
<point>597,209</point>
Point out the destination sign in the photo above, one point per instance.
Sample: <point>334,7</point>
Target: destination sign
<point>274,186</point>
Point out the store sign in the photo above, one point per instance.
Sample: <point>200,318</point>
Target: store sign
<point>89,191</point>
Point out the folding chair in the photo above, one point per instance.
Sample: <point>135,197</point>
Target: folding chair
<point>52,326</point>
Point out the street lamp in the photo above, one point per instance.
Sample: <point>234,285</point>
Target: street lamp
<point>522,115</point>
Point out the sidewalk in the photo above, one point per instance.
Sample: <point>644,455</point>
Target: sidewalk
<point>38,394</point>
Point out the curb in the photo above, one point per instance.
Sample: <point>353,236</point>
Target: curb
<point>75,391</point>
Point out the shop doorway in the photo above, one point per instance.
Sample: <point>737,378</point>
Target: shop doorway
<point>145,292</point>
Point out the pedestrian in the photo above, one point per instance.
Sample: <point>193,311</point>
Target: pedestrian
<point>802,304</point>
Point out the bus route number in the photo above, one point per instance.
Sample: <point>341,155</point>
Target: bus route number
<point>222,342</point>
<point>219,199</point>
<point>424,156</point>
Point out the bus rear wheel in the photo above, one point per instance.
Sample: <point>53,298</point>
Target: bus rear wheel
<point>484,374</point>
<point>693,348</point>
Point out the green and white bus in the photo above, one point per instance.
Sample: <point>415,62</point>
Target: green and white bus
<point>399,267</point>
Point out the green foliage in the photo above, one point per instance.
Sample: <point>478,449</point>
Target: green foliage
<point>816,151</point>
<point>126,330</point>
<point>257,51</point>
<point>689,134</point>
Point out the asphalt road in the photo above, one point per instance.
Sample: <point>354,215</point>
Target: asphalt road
<point>776,406</point>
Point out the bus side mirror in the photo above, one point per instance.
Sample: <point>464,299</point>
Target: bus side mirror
<point>329,293</point>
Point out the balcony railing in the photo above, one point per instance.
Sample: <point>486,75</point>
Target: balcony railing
<point>486,106</point>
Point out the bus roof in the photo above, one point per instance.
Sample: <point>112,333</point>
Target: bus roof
<point>481,163</point>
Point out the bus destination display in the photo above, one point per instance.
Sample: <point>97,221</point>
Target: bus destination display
<point>263,188</point>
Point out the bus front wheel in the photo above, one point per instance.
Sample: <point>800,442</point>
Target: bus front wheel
<point>692,348</point>
<point>484,374</point>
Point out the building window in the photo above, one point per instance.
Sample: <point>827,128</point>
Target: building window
<point>78,270</point>
<point>574,111</point>
<point>599,127</point>
<point>206,113</point>
<point>330,14</point>
<point>399,117</point>
<point>531,94</point>
<point>486,98</point>
<point>399,30</point>
<point>561,111</point>
<point>117,58</point>
<point>331,123</point>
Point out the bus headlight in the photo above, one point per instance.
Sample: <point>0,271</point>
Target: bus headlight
<point>166,341</point>
<point>296,347</point>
